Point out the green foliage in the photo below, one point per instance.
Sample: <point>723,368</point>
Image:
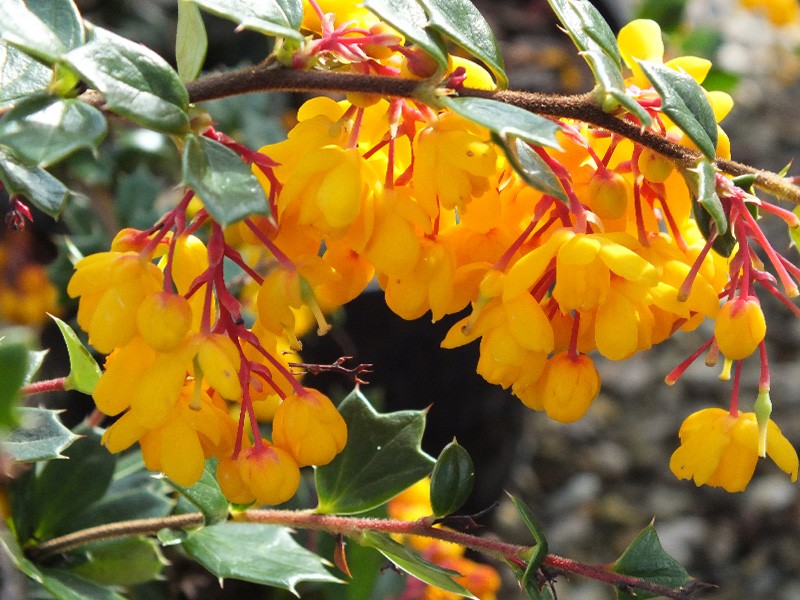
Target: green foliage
<point>84,372</point>
<point>381,459</point>
<point>255,552</point>
<point>14,358</point>
<point>121,562</point>
<point>206,495</point>
<point>531,167</point>
<point>46,30</point>
<point>20,75</point>
<point>40,436</point>
<point>270,17</point>
<point>667,13</point>
<point>413,564</point>
<point>539,552</point>
<point>452,479</point>
<point>646,559</point>
<point>44,191</point>
<point>707,207</point>
<point>226,185</point>
<point>191,40</point>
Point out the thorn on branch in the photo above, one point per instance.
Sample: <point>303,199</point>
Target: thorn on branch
<point>465,522</point>
<point>336,366</point>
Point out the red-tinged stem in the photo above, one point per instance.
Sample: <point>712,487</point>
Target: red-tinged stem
<point>763,380</point>
<point>38,387</point>
<point>686,287</point>
<point>284,260</point>
<point>789,286</point>
<point>676,373</point>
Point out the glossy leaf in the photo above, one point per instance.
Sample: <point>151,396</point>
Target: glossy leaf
<point>43,130</point>
<point>225,184</point>
<point>646,559</point>
<point>539,551</point>
<point>41,436</point>
<point>65,585</point>
<point>413,564</point>
<point>587,27</point>
<point>463,24</point>
<point>506,120</point>
<point>685,102</point>
<point>206,495</point>
<point>20,75</point>
<point>409,19</point>
<point>707,208</point>
<point>531,167</point>
<point>191,41</point>
<point>45,29</point>
<point>135,81</point>
<point>382,458</point>
<point>270,17</point>
<point>257,552</point>
<point>44,191</point>
<point>84,372</point>
<point>124,561</point>
<point>452,479</point>
<point>14,357</point>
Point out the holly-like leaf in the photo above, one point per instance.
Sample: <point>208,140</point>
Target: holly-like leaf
<point>41,436</point>
<point>270,17</point>
<point>256,552</point>
<point>45,29</point>
<point>84,372</point>
<point>20,75</point>
<point>44,191</point>
<point>14,356</point>
<point>646,559</point>
<point>463,24</point>
<point>685,102</point>
<point>452,479</point>
<point>381,459</point>
<point>135,81</point>
<point>191,41</point>
<point>409,19</point>
<point>206,495</point>
<point>413,564</point>
<point>42,129</point>
<point>531,167</point>
<point>224,183</point>
<point>506,120</point>
<point>125,561</point>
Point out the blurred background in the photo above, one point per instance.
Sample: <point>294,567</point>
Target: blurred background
<point>593,484</point>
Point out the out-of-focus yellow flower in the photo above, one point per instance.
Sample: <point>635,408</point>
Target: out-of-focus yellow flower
<point>721,450</point>
<point>780,12</point>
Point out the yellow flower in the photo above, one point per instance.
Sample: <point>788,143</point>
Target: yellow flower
<point>566,388</point>
<point>721,450</point>
<point>740,327</point>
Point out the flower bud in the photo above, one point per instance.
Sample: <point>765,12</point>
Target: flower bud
<point>740,327</point>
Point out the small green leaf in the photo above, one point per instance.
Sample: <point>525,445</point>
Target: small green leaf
<point>539,552</point>
<point>452,479</point>
<point>408,18</point>
<point>381,459</point>
<point>270,17</point>
<point>646,559</point>
<point>413,564</point>
<point>462,23</point>
<point>610,90</point>
<point>14,357</point>
<point>20,75</point>
<point>707,207</point>
<point>506,120</point>
<point>43,130</point>
<point>587,27</point>
<point>65,488</point>
<point>265,554</point>
<point>225,184</point>
<point>125,561</point>
<point>531,167</point>
<point>685,102</point>
<point>135,81</point>
<point>40,437</point>
<point>206,495</point>
<point>84,371</point>
<point>191,41</point>
<point>44,191</point>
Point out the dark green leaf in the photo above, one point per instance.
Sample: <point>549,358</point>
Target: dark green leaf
<point>135,81</point>
<point>531,167</point>
<point>646,559</point>
<point>587,27</point>
<point>20,75</point>
<point>224,183</point>
<point>409,19</point>
<point>40,437</point>
<point>707,207</point>
<point>64,488</point>
<point>685,102</point>
<point>381,459</point>
<point>65,585</point>
<point>43,130</point>
<point>255,552</point>
<point>14,356</point>
<point>21,26</point>
<point>460,21</point>
<point>539,551</point>
<point>506,120</point>
<point>206,495</point>
<point>44,191</point>
<point>63,18</point>
<point>191,40</point>
<point>452,479</point>
<point>84,371</point>
<point>270,17</point>
<point>125,561</point>
<point>413,564</point>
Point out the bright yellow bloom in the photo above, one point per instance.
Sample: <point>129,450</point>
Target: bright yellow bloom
<point>740,327</point>
<point>269,472</point>
<point>565,389</point>
<point>721,450</point>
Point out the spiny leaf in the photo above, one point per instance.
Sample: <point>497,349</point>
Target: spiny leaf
<point>41,436</point>
<point>84,372</point>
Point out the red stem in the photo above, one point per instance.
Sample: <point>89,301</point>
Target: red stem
<point>38,387</point>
